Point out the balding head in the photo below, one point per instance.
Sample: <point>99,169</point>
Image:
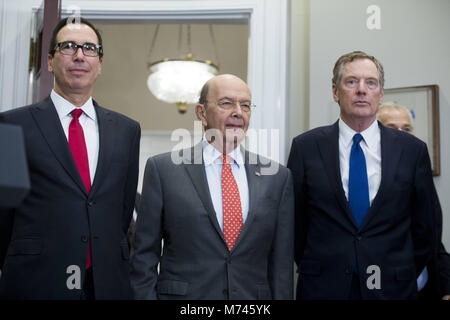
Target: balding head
<point>224,109</point>
<point>395,116</point>
<point>213,82</point>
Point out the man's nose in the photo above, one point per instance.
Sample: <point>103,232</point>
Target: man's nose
<point>361,87</point>
<point>237,110</point>
<point>78,55</point>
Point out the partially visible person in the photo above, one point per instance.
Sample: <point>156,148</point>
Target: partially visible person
<point>434,281</point>
<point>68,239</point>
<point>395,116</point>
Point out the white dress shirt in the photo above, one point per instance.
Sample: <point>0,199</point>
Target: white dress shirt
<point>213,166</point>
<point>88,121</point>
<point>422,279</point>
<point>371,146</point>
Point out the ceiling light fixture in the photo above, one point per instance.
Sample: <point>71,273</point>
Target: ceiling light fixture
<point>179,81</point>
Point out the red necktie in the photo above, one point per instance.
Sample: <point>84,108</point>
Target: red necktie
<point>77,145</point>
<point>231,204</point>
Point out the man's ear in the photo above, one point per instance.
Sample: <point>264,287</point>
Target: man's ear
<point>201,114</point>
<point>381,96</point>
<point>50,63</point>
<point>335,95</point>
<point>100,65</point>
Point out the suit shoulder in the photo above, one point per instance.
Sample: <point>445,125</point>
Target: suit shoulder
<point>166,159</point>
<point>16,113</point>
<point>120,117</point>
<point>266,163</point>
<point>264,160</point>
<point>162,157</point>
<point>312,134</point>
<point>405,139</point>
<point>167,163</point>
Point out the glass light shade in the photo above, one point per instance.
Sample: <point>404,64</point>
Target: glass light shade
<point>179,81</point>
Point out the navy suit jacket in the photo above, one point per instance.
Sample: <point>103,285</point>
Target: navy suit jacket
<point>438,283</point>
<point>397,234</point>
<point>50,231</point>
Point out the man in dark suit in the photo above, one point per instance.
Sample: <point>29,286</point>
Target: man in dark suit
<point>67,240</point>
<point>434,281</point>
<point>226,218</point>
<point>363,196</point>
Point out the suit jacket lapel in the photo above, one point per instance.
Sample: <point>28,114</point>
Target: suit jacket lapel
<point>328,145</point>
<point>193,163</point>
<point>107,141</point>
<point>48,122</point>
<point>197,174</point>
<point>390,156</point>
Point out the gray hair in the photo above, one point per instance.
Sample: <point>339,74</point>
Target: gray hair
<point>349,57</point>
<point>387,106</point>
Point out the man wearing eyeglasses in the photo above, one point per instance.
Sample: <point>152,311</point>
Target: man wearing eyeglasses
<point>226,223</point>
<point>68,239</point>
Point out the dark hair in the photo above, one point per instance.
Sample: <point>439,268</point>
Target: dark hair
<point>69,20</point>
<point>204,93</point>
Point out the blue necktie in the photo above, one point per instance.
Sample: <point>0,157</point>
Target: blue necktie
<point>358,187</point>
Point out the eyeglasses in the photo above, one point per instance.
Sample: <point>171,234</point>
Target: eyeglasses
<point>246,106</point>
<point>70,48</point>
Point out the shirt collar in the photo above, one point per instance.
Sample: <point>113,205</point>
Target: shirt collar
<point>64,107</point>
<point>212,155</point>
<point>371,135</point>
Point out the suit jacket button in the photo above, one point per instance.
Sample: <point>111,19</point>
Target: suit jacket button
<point>90,203</point>
<point>84,239</point>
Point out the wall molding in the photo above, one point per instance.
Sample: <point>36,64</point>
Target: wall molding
<point>267,45</point>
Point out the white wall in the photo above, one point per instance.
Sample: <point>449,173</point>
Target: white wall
<point>413,46</point>
<point>298,69</point>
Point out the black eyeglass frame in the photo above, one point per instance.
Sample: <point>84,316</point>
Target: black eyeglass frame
<point>98,47</point>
